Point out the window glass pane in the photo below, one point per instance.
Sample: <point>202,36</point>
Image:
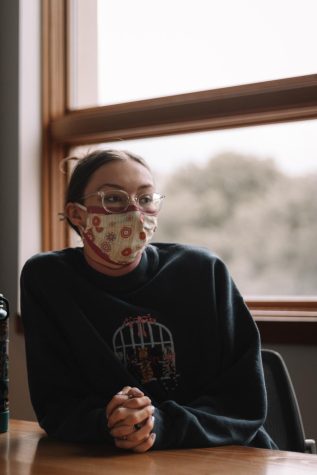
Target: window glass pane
<point>150,49</point>
<point>248,194</point>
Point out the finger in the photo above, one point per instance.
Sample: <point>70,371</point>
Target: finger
<point>125,395</point>
<point>137,403</point>
<point>125,390</point>
<point>145,445</point>
<point>131,433</point>
<point>135,392</point>
<point>123,430</point>
<point>141,434</point>
<point>115,402</point>
<point>128,416</point>
<point>142,446</point>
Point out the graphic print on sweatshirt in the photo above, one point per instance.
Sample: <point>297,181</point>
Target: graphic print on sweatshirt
<point>146,348</point>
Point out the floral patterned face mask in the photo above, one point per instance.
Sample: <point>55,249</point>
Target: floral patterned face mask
<point>118,238</point>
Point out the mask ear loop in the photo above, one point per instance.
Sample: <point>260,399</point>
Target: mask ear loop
<point>80,227</point>
<point>82,232</point>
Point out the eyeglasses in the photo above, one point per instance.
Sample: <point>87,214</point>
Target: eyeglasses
<point>118,201</point>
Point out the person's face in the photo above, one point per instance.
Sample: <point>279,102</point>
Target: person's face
<point>127,175</point>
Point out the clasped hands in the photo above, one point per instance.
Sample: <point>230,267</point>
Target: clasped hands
<point>130,420</point>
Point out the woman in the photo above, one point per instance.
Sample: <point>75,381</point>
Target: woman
<point>136,344</point>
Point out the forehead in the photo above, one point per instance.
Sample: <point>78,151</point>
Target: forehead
<point>127,174</point>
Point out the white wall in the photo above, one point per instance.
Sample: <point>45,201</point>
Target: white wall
<point>29,211</point>
<point>19,170</point>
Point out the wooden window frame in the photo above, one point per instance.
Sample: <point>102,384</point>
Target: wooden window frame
<point>291,321</point>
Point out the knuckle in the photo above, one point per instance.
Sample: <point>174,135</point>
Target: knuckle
<point>116,416</point>
<point>130,420</point>
<point>143,447</point>
<point>118,443</point>
<point>149,442</point>
<point>150,410</point>
<point>135,390</point>
<point>135,403</point>
<point>118,399</point>
<point>121,411</point>
<point>117,432</point>
<point>125,389</point>
<point>141,401</point>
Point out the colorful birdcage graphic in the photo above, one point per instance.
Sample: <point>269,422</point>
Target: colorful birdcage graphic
<point>146,349</point>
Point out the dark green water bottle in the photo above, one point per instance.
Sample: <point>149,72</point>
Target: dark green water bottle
<point>4,376</point>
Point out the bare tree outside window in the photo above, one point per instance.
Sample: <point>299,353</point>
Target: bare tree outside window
<point>260,220</point>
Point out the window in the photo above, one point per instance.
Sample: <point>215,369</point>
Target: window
<point>249,194</point>
<point>284,100</point>
<point>132,50</point>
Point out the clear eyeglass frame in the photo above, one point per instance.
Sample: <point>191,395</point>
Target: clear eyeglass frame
<point>152,201</point>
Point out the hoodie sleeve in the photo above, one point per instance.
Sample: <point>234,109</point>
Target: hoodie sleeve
<point>232,409</point>
<point>64,405</point>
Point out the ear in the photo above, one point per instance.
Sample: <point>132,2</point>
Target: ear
<point>76,215</point>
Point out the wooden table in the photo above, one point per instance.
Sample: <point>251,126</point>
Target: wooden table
<point>25,450</point>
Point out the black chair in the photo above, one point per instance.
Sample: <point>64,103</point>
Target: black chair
<point>284,421</point>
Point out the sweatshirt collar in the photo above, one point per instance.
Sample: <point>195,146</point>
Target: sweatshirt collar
<point>121,284</point>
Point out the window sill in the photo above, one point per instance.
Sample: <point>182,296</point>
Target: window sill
<point>286,321</point>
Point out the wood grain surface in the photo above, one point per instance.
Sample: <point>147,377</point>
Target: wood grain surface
<point>26,450</point>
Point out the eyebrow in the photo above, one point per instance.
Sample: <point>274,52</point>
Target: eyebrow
<point>119,187</point>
